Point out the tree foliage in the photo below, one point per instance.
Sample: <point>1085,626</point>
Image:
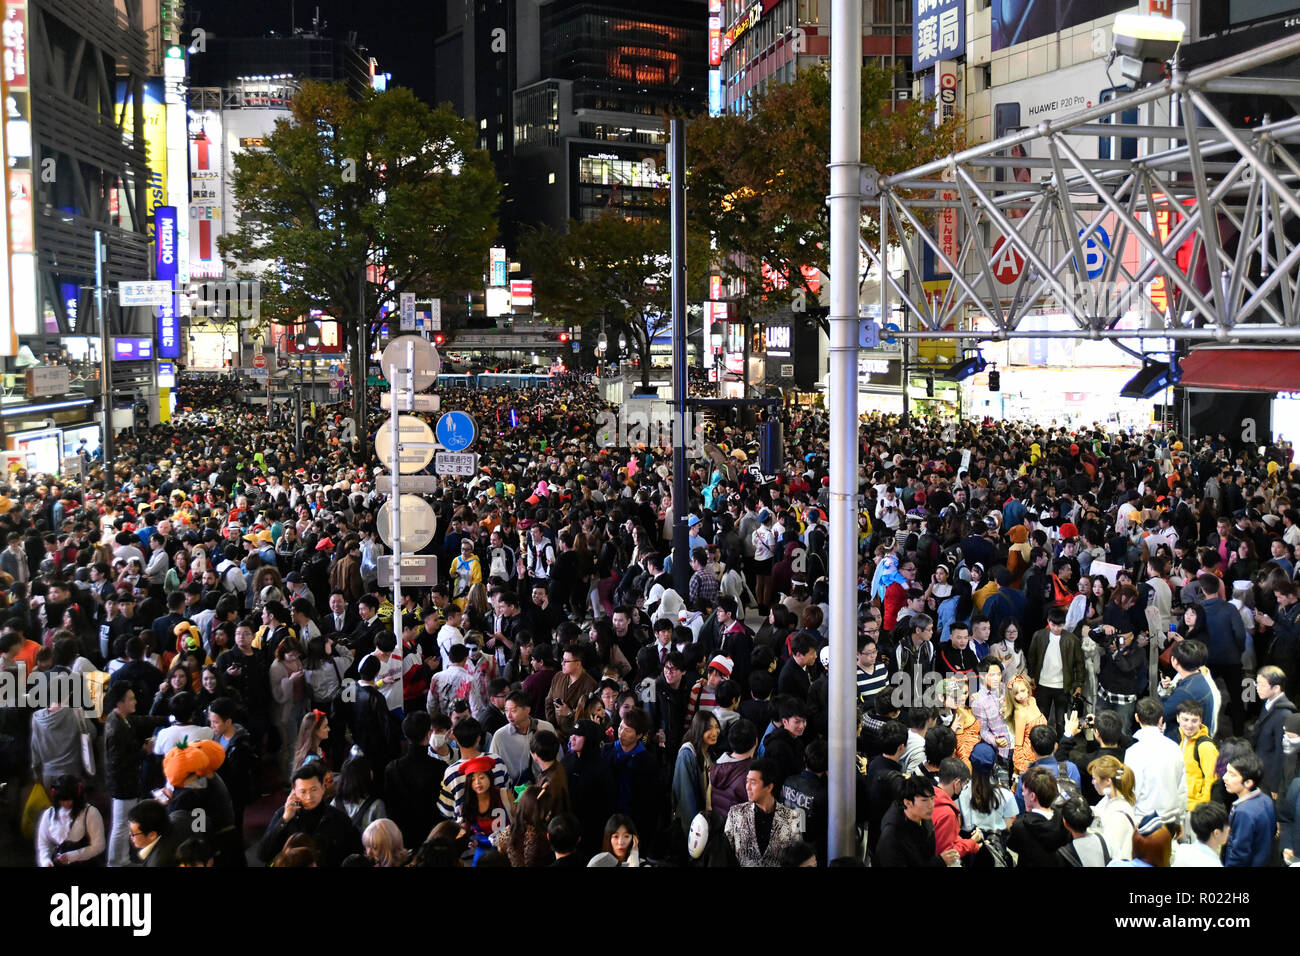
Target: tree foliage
<point>383,176</point>
<point>760,182</point>
<point>613,268</point>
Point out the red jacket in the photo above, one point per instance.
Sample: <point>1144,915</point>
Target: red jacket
<point>895,600</point>
<point>947,827</point>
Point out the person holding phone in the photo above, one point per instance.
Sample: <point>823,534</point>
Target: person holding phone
<point>305,811</point>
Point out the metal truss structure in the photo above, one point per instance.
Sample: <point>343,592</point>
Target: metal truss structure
<point>1231,196</point>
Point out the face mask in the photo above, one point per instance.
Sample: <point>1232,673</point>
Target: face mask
<point>1290,745</point>
<point>437,740</point>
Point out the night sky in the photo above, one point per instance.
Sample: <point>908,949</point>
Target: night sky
<point>398,33</point>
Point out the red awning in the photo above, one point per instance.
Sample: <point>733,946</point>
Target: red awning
<point>1243,370</point>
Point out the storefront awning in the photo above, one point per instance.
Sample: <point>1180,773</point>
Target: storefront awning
<point>1243,370</point>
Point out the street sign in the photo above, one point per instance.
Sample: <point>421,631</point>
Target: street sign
<point>457,430</point>
<point>419,522</point>
<point>407,300</point>
<point>410,429</point>
<point>411,484</point>
<point>1095,248</point>
<point>868,334</point>
<point>417,569</point>
<point>71,467</point>
<point>1008,262</point>
<point>435,315</point>
<point>455,463</point>
<point>152,292</point>
<point>426,366</point>
<point>406,402</point>
<point>259,360</point>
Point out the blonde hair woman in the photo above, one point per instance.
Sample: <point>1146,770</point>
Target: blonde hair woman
<point>1022,715</point>
<point>956,698</point>
<point>1115,815</point>
<point>382,841</point>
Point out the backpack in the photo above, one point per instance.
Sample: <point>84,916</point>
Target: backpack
<point>1070,857</point>
<point>1065,784</point>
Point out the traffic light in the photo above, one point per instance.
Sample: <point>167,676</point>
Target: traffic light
<point>439,338</point>
<point>564,337</point>
<point>995,380</point>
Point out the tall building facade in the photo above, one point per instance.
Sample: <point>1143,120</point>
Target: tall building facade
<point>78,157</point>
<point>570,97</point>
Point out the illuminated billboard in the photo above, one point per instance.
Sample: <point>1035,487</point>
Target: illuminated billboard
<point>155,140</point>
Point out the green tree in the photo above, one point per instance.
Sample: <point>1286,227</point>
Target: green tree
<point>760,182</point>
<point>613,268</point>
<point>383,179</point>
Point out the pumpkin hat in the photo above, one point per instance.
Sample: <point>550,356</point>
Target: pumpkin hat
<point>201,758</point>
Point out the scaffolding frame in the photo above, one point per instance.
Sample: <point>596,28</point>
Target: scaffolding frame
<point>1231,193</point>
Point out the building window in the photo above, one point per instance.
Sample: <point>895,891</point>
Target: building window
<point>550,179</point>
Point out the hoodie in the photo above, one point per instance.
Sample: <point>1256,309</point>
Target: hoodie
<point>56,743</point>
<point>947,827</point>
<point>728,781</point>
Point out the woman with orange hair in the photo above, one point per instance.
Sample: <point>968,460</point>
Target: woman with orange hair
<point>956,699</point>
<point>1022,715</point>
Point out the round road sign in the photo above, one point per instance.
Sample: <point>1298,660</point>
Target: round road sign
<point>457,430</point>
<point>1008,262</point>
<point>419,522</point>
<point>259,360</point>
<point>427,363</point>
<point>411,429</point>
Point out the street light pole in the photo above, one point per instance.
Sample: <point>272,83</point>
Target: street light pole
<point>845,202</point>
<point>105,365</point>
<point>677,251</point>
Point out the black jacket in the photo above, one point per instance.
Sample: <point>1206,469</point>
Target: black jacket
<point>1035,839</point>
<point>240,771</point>
<point>143,677</point>
<point>124,754</point>
<point>374,728</point>
<point>207,812</point>
<point>334,833</point>
<point>884,783</point>
<point>787,750</point>
<point>410,782</point>
<point>1267,741</point>
<point>904,843</point>
<point>591,793</point>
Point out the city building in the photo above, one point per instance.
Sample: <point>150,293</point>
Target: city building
<point>80,158</point>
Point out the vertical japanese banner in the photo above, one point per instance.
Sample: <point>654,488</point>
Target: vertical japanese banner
<point>165,269</point>
<point>20,249</point>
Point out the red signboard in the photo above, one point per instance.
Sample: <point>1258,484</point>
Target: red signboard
<point>15,44</point>
<point>1008,263</point>
<point>715,41</point>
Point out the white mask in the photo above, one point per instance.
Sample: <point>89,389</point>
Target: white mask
<point>437,741</point>
<point>1290,744</point>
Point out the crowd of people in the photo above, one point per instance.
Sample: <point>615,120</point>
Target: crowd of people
<point>1074,649</point>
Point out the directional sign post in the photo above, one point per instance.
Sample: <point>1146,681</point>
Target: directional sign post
<point>151,292</point>
<point>417,362</point>
<point>418,522</point>
<point>416,438</point>
<point>418,569</point>
<point>408,402</point>
<point>464,464</point>
<point>457,430</point>
<point>415,484</point>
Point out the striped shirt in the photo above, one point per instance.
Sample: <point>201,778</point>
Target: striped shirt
<point>453,783</point>
<point>869,685</point>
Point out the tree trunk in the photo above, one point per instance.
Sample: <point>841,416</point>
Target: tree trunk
<point>360,368</point>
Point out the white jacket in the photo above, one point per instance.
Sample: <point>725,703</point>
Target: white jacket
<point>1161,775</point>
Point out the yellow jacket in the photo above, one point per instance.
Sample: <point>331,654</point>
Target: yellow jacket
<point>1200,767</point>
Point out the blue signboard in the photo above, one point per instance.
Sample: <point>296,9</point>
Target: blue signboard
<point>456,431</point>
<point>1095,249</point>
<point>715,92</point>
<point>169,337</point>
<point>939,32</point>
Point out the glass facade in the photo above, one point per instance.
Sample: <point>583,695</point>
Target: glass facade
<point>626,57</point>
<point>537,116</point>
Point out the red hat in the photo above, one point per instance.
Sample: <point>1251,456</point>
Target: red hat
<point>722,665</point>
<point>1068,531</point>
<point>325,544</point>
<point>480,764</point>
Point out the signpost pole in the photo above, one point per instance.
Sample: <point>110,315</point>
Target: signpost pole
<point>396,510</point>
